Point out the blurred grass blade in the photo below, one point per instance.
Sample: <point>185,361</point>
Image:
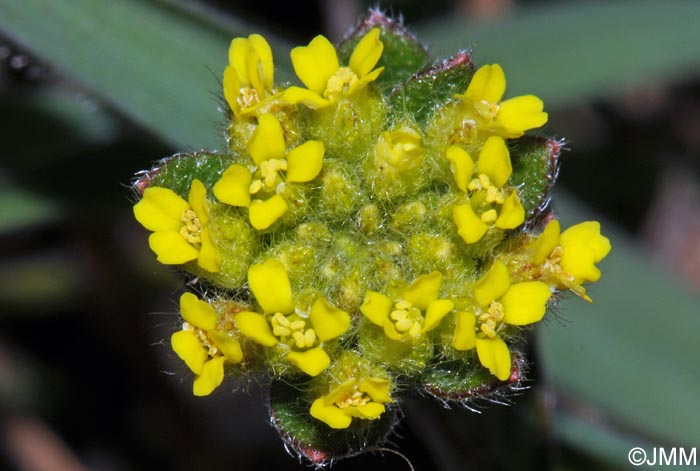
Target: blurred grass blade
<point>577,50</point>
<point>20,209</point>
<point>155,61</point>
<point>631,357</point>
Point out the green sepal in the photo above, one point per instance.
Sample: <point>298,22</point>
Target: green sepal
<point>178,171</point>
<point>535,167</point>
<point>431,88</point>
<point>407,358</point>
<point>403,53</point>
<point>313,439</point>
<point>465,380</point>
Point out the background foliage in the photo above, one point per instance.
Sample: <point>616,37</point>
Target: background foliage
<point>92,90</point>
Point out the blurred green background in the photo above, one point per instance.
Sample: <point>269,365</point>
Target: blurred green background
<point>93,90</point>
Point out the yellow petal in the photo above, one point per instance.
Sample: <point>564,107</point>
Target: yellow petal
<point>265,67</point>
<point>494,355</point>
<point>369,411</point>
<point>211,377</point>
<point>424,290</point>
<point>252,64</point>
<point>494,161</point>
<point>187,346</point>
<point>267,141</point>
<point>171,248</point>
<point>255,327</point>
<point>228,346</point>
<point>160,209</point>
<point>237,52</point>
<point>263,214</point>
<point>493,284</point>
<point>312,362</point>
<point>198,201</point>
<point>521,113</point>
<point>197,312</point>
<point>331,415</point>
<point>209,257</point>
<point>305,161</point>
<point>234,186</point>
<point>511,214</point>
<point>546,242</point>
<point>379,389</point>
<point>314,64</point>
<point>436,311</point>
<point>327,320</point>
<point>304,96</point>
<point>376,307</point>
<point>469,225</point>
<point>363,81</point>
<point>232,89</point>
<point>270,284</point>
<point>465,333</point>
<point>587,233</point>
<point>367,53</point>
<point>488,84</point>
<point>525,303</point>
<point>462,166</point>
<point>579,262</point>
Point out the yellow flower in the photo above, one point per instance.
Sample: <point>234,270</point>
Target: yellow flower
<point>510,118</point>
<point>249,77</point>
<point>399,149</point>
<point>203,347</point>
<point>499,303</point>
<point>317,66</point>
<point>362,399</point>
<point>416,312</point>
<point>180,232</point>
<point>282,325</point>
<point>274,166</point>
<point>489,203</point>
<point>571,256</point>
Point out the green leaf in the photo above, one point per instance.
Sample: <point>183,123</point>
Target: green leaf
<point>464,381</point>
<point>403,53</point>
<point>577,50</point>
<point>156,61</point>
<point>535,167</point>
<point>178,171</point>
<point>432,87</point>
<point>629,356</point>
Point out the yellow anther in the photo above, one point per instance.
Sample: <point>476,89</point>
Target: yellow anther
<point>490,216</point>
<point>339,82</point>
<point>280,319</point>
<point>247,97</point>
<point>310,337</point>
<point>255,186</point>
<point>192,227</point>
<point>403,304</point>
<point>280,331</point>
<point>485,181</point>
<point>404,324</point>
<point>415,329</point>
<point>353,400</point>
<point>494,195</point>
<point>486,109</point>
<point>299,339</point>
<point>269,170</point>
<point>297,325</point>
<point>399,314</point>
<point>490,320</point>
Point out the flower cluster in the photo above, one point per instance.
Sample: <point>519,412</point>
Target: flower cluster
<point>364,230</point>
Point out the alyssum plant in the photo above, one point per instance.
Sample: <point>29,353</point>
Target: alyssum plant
<point>380,229</point>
